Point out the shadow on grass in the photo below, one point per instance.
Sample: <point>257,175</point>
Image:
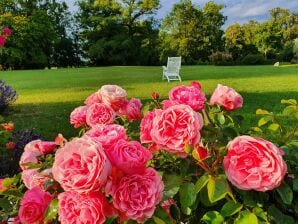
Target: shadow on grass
<point>49,119</point>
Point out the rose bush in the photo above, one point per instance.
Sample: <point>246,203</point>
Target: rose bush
<point>190,162</point>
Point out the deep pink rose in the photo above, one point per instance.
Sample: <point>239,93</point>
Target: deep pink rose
<point>129,156</point>
<point>32,178</point>
<point>146,126</point>
<point>254,164</point>
<point>29,157</point>
<point>137,195</point>
<point>188,95</point>
<point>81,166</point>
<point>175,127</point>
<point>226,97</point>
<point>78,116</point>
<point>82,208</point>
<point>1,185</point>
<point>99,113</point>
<point>2,40</point>
<point>114,96</point>
<point>33,206</point>
<point>166,104</point>
<point>6,31</point>
<point>93,98</point>
<point>132,110</point>
<point>106,135</point>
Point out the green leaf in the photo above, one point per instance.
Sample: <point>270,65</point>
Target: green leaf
<point>230,208</point>
<point>285,193</point>
<point>52,210</point>
<point>175,212</point>
<point>12,192</point>
<point>9,181</point>
<point>221,118</point>
<point>161,214</point>
<point>5,205</point>
<point>273,127</point>
<point>260,213</point>
<point>264,120</point>
<point>257,129</point>
<point>218,188</point>
<point>188,148</point>
<point>278,217</point>
<point>202,181</point>
<point>172,185</point>
<point>262,112</point>
<point>204,197</point>
<point>290,101</point>
<point>246,217</point>
<point>187,195</point>
<point>158,220</point>
<point>290,111</point>
<point>295,184</point>
<point>213,217</point>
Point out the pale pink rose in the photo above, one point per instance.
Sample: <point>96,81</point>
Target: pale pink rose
<point>33,206</point>
<point>78,116</point>
<point>93,98</point>
<point>99,113</point>
<point>129,156</point>
<point>175,127</point>
<point>81,166</point>
<point>188,95</point>
<point>29,157</point>
<point>147,125</point>
<point>254,164</point>
<point>114,96</point>
<point>106,135</point>
<point>43,147</point>
<point>32,178</point>
<point>226,97</point>
<point>32,146</point>
<point>137,195</point>
<point>86,208</point>
<point>132,110</point>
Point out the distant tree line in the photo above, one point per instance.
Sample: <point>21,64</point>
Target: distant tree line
<point>126,32</point>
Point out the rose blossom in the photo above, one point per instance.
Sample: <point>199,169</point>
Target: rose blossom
<point>81,166</point>
<point>226,97</point>
<point>99,113</point>
<point>114,96</point>
<point>29,157</point>
<point>33,206</point>
<point>6,31</point>
<point>188,95</point>
<point>106,135</point>
<point>132,110</point>
<point>60,140</point>
<point>93,98</point>
<point>8,126</point>
<point>78,116</point>
<point>32,178</point>
<point>43,147</point>
<point>129,156</point>
<point>10,145</point>
<point>77,208</point>
<point>146,126</point>
<point>137,195</point>
<point>2,40</point>
<point>176,126</point>
<point>254,164</point>
<point>166,104</point>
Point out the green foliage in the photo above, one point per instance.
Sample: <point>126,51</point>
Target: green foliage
<point>221,58</point>
<point>253,59</point>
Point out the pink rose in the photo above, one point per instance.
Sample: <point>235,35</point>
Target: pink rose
<point>93,98</point>
<point>226,97</point>
<point>81,166</point>
<point>146,126</point>
<point>60,140</point>
<point>129,156</point>
<point>175,127</point>
<point>188,95</point>
<point>2,40</point>
<point>99,113</point>
<point>166,104</point>
<point>6,31</point>
<point>132,110</point>
<point>32,178</point>
<point>43,147</point>
<point>254,164</point>
<point>14,220</point>
<point>78,116</point>
<point>29,157</point>
<point>1,185</point>
<point>137,195</point>
<point>106,135</point>
<point>33,206</point>
<point>85,208</point>
<point>114,96</point>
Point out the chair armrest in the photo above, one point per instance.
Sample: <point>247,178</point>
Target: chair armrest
<point>164,68</point>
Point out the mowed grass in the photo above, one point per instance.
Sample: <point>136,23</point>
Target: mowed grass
<point>47,97</point>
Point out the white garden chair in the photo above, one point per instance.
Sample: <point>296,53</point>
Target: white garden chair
<point>171,72</point>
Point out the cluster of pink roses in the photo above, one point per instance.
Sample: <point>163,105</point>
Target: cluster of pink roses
<point>5,32</point>
<point>104,105</point>
<point>103,173</point>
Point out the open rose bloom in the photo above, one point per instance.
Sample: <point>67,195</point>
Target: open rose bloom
<point>109,171</point>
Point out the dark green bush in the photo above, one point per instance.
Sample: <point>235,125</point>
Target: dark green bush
<point>221,58</point>
<point>253,59</point>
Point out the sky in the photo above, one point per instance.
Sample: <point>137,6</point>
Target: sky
<point>239,11</point>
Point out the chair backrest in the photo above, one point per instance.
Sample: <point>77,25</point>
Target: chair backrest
<point>174,64</point>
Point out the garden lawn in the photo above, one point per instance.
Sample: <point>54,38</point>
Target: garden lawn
<point>47,97</point>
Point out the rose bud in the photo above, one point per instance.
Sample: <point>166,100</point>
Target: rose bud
<point>200,153</point>
<point>154,95</point>
<point>8,126</point>
<point>10,145</point>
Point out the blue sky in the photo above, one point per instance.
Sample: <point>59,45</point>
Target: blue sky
<point>236,10</point>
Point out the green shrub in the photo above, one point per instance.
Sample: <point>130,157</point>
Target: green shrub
<point>221,58</point>
<point>253,59</point>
